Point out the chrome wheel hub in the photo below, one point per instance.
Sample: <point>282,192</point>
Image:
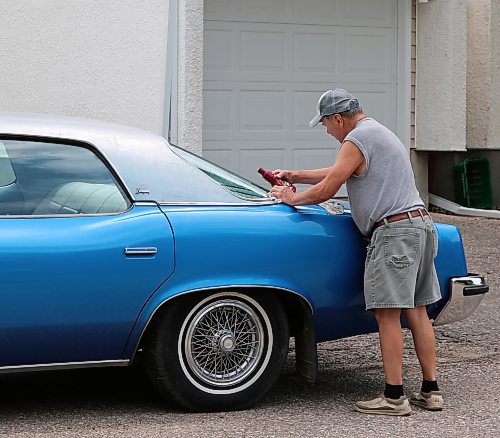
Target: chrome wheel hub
<point>227,343</point>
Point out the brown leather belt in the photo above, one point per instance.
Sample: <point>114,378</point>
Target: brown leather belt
<point>400,217</point>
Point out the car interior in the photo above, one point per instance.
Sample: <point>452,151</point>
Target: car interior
<point>55,179</point>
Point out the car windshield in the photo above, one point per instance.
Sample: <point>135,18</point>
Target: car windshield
<point>236,184</point>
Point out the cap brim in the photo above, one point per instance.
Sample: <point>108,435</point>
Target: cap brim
<point>315,121</point>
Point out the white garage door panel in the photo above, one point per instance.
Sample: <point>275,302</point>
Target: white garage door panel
<point>297,53</point>
<point>266,62</point>
<point>223,157</point>
<point>373,13</point>
<point>369,54</point>
<point>273,111</point>
<point>217,111</point>
<point>217,49</point>
<point>315,52</point>
<point>245,157</point>
<point>313,158</point>
<point>262,111</point>
<point>252,159</point>
<point>262,51</point>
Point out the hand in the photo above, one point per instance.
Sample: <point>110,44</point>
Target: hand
<point>284,193</point>
<point>285,175</point>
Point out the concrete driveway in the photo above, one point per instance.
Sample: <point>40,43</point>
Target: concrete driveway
<point>121,403</point>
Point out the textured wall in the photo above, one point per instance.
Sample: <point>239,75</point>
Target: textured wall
<point>478,72</point>
<point>190,75</point>
<point>441,75</point>
<point>494,128</point>
<point>89,58</point>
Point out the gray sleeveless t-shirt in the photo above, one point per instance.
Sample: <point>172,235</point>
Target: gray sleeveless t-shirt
<point>387,185</point>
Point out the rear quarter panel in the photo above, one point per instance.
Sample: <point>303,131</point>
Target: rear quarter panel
<point>304,250</point>
<point>450,262</point>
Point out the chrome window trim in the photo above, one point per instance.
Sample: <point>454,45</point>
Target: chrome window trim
<point>146,203</point>
<point>64,366</point>
<point>149,204</point>
<point>41,216</point>
<point>216,204</point>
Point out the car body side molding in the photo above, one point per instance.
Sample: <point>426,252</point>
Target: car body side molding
<point>64,366</point>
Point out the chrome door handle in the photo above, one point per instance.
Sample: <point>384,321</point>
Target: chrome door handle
<point>148,250</point>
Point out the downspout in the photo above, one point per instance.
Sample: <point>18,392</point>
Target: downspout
<point>170,95</point>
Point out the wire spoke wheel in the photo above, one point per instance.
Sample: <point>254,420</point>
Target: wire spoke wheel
<point>218,351</point>
<point>223,342</point>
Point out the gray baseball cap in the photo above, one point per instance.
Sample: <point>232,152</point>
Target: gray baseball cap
<point>334,102</point>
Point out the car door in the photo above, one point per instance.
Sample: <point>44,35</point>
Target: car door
<point>78,261</point>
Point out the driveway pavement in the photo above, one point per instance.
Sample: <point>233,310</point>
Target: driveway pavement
<point>121,403</point>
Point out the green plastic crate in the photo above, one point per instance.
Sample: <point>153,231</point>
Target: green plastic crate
<point>472,183</point>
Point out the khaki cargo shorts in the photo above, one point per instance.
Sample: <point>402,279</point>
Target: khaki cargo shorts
<point>399,267</point>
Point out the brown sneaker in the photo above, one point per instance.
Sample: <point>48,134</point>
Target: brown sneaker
<point>384,406</point>
<point>432,401</point>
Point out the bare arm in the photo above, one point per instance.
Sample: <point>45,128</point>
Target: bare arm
<point>348,161</point>
<point>312,176</point>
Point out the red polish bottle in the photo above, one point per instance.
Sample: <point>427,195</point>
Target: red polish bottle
<point>271,179</point>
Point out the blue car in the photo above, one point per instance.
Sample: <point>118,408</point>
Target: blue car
<point>115,245</point>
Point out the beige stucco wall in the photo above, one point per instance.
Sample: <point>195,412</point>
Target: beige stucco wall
<point>494,127</point>
<point>90,58</point>
<point>483,74</point>
<point>190,75</point>
<point>420,170</point>
<point>472,81</point>
<point>441,58</point>
<point>478,72</point>
<point>482,105</point>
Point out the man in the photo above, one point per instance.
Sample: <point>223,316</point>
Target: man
<point>386,207</point>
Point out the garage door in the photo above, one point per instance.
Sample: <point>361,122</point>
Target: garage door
<point>267,61</point>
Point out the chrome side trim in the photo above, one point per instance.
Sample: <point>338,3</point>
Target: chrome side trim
<point>252,203</point>
<point>64,366</point>
<point>141,251</point>
<point>59,215</point>
<point>42,216</point>
<point>146,203</point>
<point>39,216</point>
<point>465,295</point>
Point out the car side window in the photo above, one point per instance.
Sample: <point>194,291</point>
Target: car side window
<point>7,176</point>
<point>56,179</point>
